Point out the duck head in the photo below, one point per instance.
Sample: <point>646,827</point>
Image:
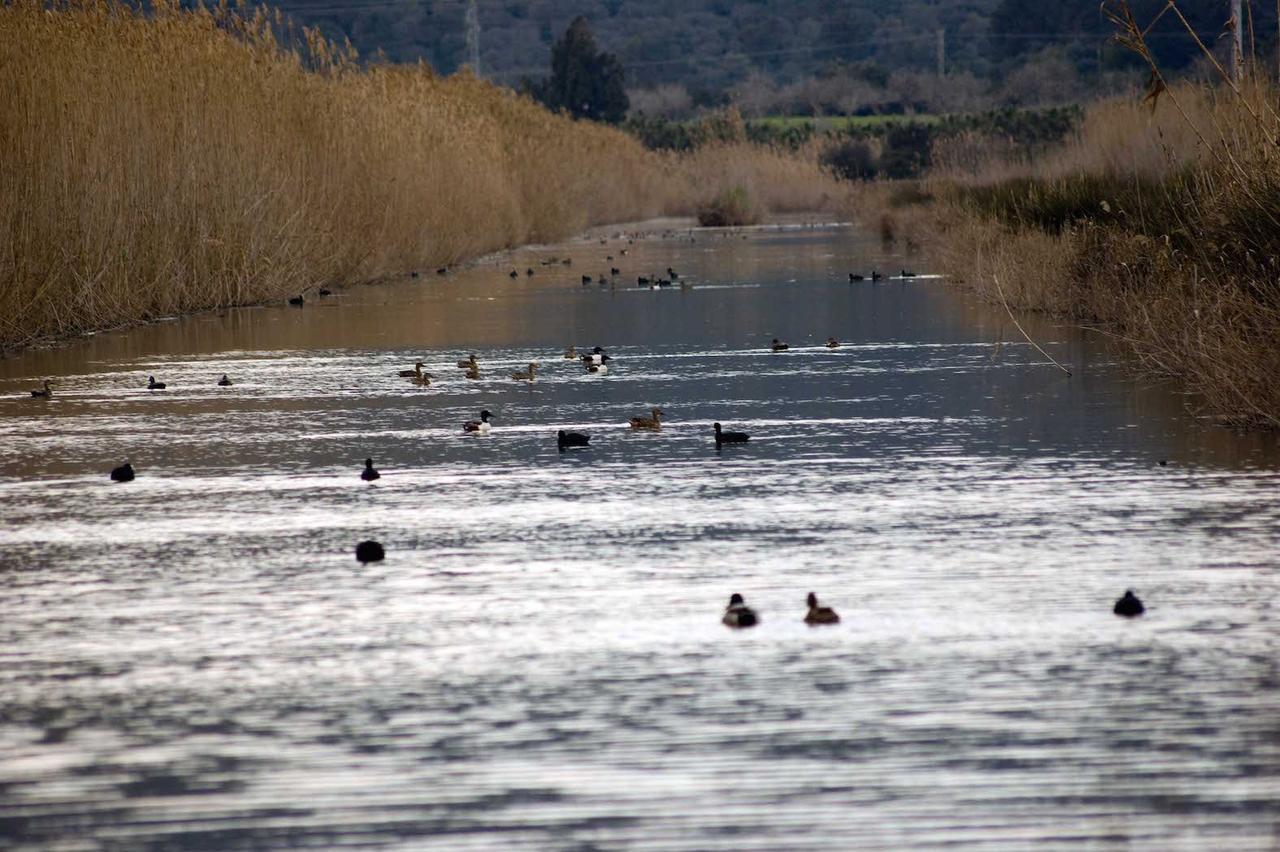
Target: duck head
<point>812,601</point>
<point>735,599</point>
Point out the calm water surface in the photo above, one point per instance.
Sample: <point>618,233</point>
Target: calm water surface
<point>195,660</point>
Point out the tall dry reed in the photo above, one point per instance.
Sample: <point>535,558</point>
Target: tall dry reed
<point>1158,224</point>
<point>184,159</point>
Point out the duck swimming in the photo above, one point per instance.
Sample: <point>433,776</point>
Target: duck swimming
<point>412,374</point>
<point>469,363</point>
<point>820,614</point>
<point>480,426</point>
<point>832,343</point>
<point>571,439</point>
<point>297,301</point>
<point>423,379</point>
<point>527,376</point>
<point>224,382</point>
<point>598,369</point>
<point>473,373</point>
<point>45,393</point>
<point>152,384</point>
<point>906,273</point>
<point>654,421</point>
<point>370,551</point>
<point>571,354</point>
<point>596,356</point>
<point>123,473</point>
<point>875,275</point>
<point>854,277</point>
<point>1129,605</point>
<point>738,614</point>
<point>723,437</point>
<point>369,474</point>
<point>779,346</point>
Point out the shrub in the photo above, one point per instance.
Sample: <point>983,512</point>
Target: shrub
<point>850,159</point>
<point>731,207</point>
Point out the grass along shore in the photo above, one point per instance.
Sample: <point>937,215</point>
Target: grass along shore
<point>185,159</point>
<point>1158,227</point>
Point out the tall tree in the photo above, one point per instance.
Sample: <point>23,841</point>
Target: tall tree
<point>585,81</point>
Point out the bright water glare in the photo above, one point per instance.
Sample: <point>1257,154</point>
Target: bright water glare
<point>195,660</point>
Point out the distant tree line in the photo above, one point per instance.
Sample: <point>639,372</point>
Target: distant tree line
<point>817,56</point>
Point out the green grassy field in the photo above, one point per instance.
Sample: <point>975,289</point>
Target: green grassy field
<point>840,122</point>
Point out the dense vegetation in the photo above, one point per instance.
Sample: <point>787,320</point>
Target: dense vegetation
<point>1161,229</point>
<point>176,160</point>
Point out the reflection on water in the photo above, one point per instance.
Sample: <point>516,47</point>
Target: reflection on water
<point>196,660</point>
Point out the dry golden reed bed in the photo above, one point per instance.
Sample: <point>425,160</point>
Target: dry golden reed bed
<point>183,160</point>
<point>1160,227</point>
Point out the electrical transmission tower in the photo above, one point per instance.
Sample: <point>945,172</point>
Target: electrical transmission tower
<point>473,37</point>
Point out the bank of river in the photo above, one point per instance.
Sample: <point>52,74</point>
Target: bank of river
<point>195,659</point>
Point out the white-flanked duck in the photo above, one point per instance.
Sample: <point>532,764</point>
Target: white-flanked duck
<point>778,346</point>
<point>653,421</point>
<point>596,356</point>
<point>1129,605</point>
<point>123,473</point>
<point>480,426</point>
<point>738,614</point>
<point>369,474</point>
<point>152,384</point>
<point>819,614</point>
<point>414,373</point>
<point>598,369</point>
<point>723,437</point>
<point>45,392</point>
<point>224,382</point>
<point>526,376</point>
<point>469,363</point>
<point>571,439</point>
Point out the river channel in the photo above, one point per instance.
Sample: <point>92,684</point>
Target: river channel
<point>196,660</point>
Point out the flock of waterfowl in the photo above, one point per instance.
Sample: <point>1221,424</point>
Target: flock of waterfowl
<point>737,614</point>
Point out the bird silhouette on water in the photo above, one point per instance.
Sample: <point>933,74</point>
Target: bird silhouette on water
<point>123,473</point>
<point>1128,605</point>
<point>566,440</point>
<point>723,437</point>
<point>224,382</point>
<point>738,614</point>
<point>370,551</point>
<point>819,614</point>
<point>43,393</point>
<point>152,384</point>
<point>369,474</point>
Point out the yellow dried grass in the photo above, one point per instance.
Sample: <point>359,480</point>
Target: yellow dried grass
<point>184,159</point>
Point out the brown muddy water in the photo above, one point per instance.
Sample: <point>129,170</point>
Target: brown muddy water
<point>195,660</point>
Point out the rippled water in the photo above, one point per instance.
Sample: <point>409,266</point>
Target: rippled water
<point>195,659</point>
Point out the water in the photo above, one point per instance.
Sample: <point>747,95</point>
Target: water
<point>195,660</point>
